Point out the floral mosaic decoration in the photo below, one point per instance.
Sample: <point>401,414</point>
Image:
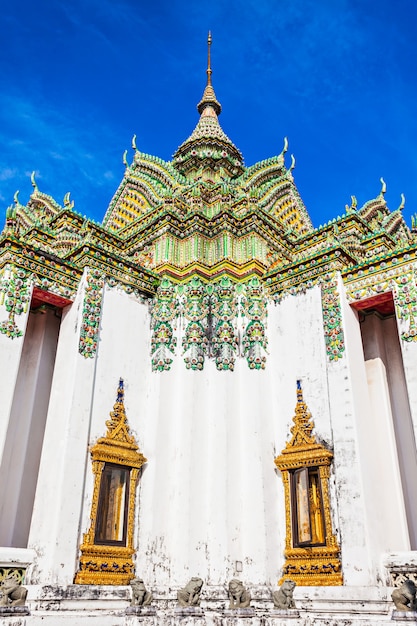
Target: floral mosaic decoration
<point>254,308</point>
<point>15,291</point>
<point>211,313</point>
<point>395,278</point>
<point>196,311</point>
<point>224,310</point>
<point>406,304</point>
<point>90,324</point>
<point>163,341</point>
<point>332,318</point>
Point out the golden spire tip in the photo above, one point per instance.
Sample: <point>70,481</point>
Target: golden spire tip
<point>209,40</point>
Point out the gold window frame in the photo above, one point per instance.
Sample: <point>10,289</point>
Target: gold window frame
<point>308,563</point>
<point>110,562</point>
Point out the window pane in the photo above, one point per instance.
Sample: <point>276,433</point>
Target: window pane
<point>303,514</point>
<point>112,507</point>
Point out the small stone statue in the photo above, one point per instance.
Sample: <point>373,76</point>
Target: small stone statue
<point>11,591</point>
<point>190,594</point>
<point>140,596</point>
<point>404,597</point>
<point>283,596</point>
<point>239,596</point>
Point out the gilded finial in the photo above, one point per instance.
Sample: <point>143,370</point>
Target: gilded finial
<point>292,163</point>
<point>67,200</point>
<point>402,205</point>
<point>299,392</point>
<point>209,97</point>
<point>209,40</point>
<point>16,197</point>
<point>134,142</point>
<point>384,185</point>
<point>120,391</point>
<point>125,159</point>
<point>285,148</point>
<point>117,426</point>
<point>33,181</point>
<point>352,207</point>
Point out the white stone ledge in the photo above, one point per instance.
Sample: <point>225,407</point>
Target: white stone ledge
<point>16,557</point>
<point>315,606</point>
<point>400,561</point>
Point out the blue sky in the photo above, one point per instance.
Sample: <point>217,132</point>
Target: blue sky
<point>338,77</point>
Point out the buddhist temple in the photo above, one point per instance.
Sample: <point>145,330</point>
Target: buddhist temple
<point>207,387</point>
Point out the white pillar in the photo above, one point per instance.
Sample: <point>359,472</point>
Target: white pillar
<point>10,351</point>
<point>372,513</point>
<point>54,532</point>
<point>403,424</point>
<point>349,406</point>
<point>409,354</point>
<point>19,469</point>
<point>388,390</point>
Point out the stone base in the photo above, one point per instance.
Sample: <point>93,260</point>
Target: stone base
<point>141,610</point>
<point>282,617</point>
<point>285,613</point>
<point>187,611</point>
<point>15,611</point>
<point>185,616</point>
<point>404,616</point>
<point>240,617</point>
<point>248,612</point>
<point>80,605</point>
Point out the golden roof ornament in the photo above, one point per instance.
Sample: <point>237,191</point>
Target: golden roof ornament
<point>303,424</point>
<point>33,181</point>
<point>117,426</point>
<point>208,145</point>
<point>303,444</point>
<point>384,186</point>
<point>209,97</point>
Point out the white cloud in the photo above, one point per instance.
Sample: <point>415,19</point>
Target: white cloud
<point>7,173</point>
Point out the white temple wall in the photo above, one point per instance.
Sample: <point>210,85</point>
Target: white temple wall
<point>10,350</point>
<point>54,533</point>
<point>19,468</point>
<point>210,501</point>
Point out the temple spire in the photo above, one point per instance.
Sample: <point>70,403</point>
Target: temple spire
<point>209,97</point>
<point>208,145</point>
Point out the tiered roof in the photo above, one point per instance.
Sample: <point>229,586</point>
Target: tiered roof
<point>204,213</point>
